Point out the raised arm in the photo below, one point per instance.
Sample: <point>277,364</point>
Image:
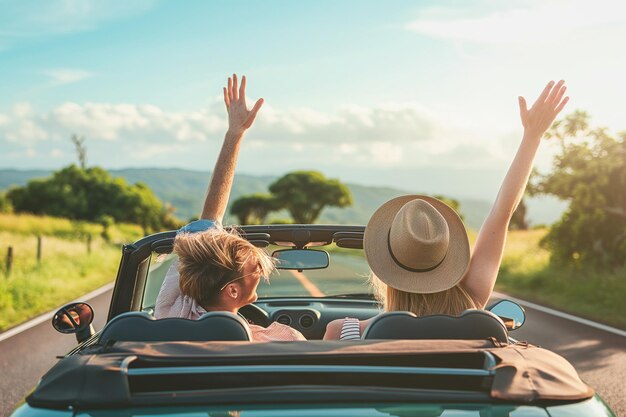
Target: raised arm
<point>239,120</point>
<point>487,256</point>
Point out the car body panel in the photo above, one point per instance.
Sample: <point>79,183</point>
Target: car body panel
<point>593,407</point>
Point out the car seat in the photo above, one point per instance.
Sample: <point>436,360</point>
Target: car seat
<point>137,326</point>
<point>471,324</point>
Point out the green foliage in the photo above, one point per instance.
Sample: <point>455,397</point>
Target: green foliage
<point>590,173</point>
<point>5,204</point>
<point>305,194</point>
<point>281,221</point>
<point>253,209</point>
<point>106,221</point>
<point>89,194</point>
<point>527,272</point>
<point>66,272</point>
<point>30,225</point>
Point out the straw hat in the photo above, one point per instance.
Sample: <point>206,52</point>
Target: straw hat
<point>417,244</point>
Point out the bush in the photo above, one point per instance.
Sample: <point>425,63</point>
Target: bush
<point>92,194</point>
<point>590,173</point>
<point>5,204</point>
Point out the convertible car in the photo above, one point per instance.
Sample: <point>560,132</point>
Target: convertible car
<point>403,366</point>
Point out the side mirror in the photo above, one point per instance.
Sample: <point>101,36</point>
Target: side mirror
<point>301,259</point>
<point>75,318</point>
<point>512,314</point>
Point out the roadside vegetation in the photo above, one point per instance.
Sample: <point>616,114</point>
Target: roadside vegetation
<point>67,269</point>
<point>528,273</point>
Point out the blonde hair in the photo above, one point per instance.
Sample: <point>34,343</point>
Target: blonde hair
<point>208,260</point>
<point>452,301</point>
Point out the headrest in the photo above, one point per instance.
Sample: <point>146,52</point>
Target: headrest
<point>136,326</point>
<point>471,324</point>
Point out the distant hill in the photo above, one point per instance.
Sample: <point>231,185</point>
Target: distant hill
<point>185,190</point>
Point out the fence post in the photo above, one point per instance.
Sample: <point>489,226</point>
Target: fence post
<point>39,248</point>
<point>88,243</point>
<point>9,260</point>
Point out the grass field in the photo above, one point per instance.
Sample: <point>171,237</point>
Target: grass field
<point>527,273</point>
<point>66,270</point>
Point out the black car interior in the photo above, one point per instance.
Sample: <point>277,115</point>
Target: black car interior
<point>472,324</point>
<point>138,326</point>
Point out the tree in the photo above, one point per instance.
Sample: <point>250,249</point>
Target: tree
<point>91,194</point>
<point>305,194</point>
<point>590,173</point>
<point>253,209</point>
<point>81,150</point>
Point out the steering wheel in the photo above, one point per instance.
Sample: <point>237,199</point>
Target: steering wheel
<point>255,315</point>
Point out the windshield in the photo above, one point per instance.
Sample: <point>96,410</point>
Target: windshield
<point>347,273</point>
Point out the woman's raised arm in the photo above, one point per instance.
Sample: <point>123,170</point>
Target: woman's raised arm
<point>487,256</point>
<point>239,120</point>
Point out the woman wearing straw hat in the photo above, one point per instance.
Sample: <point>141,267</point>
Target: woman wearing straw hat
<point>417,246</point>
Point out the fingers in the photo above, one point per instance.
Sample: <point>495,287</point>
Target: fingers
<point>257,106</point>
<point>523,108</point>
<point>559,95</point>
<point>230,90</point>
<point>253,112</point>
<point>544,94</point>
<point>242,89</point>
<point>560,106</point>
<point>226,98</point>
<point>554,92</point>
<point>235,92</point>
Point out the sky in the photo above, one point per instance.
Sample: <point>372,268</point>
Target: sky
<point>417,95</point>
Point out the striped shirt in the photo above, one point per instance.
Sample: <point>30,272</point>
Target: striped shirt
<point>351,329</point>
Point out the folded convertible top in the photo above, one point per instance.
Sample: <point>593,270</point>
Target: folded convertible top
<point>132,373</point>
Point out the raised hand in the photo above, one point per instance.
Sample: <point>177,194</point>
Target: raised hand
<point>239,117</point>
<point>541,115</point>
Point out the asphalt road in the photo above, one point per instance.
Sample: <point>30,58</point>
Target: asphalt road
<point>25,357</point>
<point>599,356</point>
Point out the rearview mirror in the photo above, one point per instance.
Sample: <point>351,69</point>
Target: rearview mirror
<point>512,314</point>
<point>301,259</point>
<point>75,318</point>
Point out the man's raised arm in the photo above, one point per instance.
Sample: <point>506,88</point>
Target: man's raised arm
<point>239,120</point>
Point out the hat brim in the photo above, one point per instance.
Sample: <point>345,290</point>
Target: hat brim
<point>445,276</point>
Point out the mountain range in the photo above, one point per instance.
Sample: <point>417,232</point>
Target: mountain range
<point>185,190</point>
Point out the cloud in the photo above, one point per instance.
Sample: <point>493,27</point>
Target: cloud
<point>62,76</point>
<point>536,23</point>
<point>386,136</point>
<point>128,121</point>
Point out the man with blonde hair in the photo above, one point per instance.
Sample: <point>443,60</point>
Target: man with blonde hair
<point>217,270</point>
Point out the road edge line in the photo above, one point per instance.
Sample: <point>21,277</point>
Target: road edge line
<point>562,315</point>
<point>48,316</point>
